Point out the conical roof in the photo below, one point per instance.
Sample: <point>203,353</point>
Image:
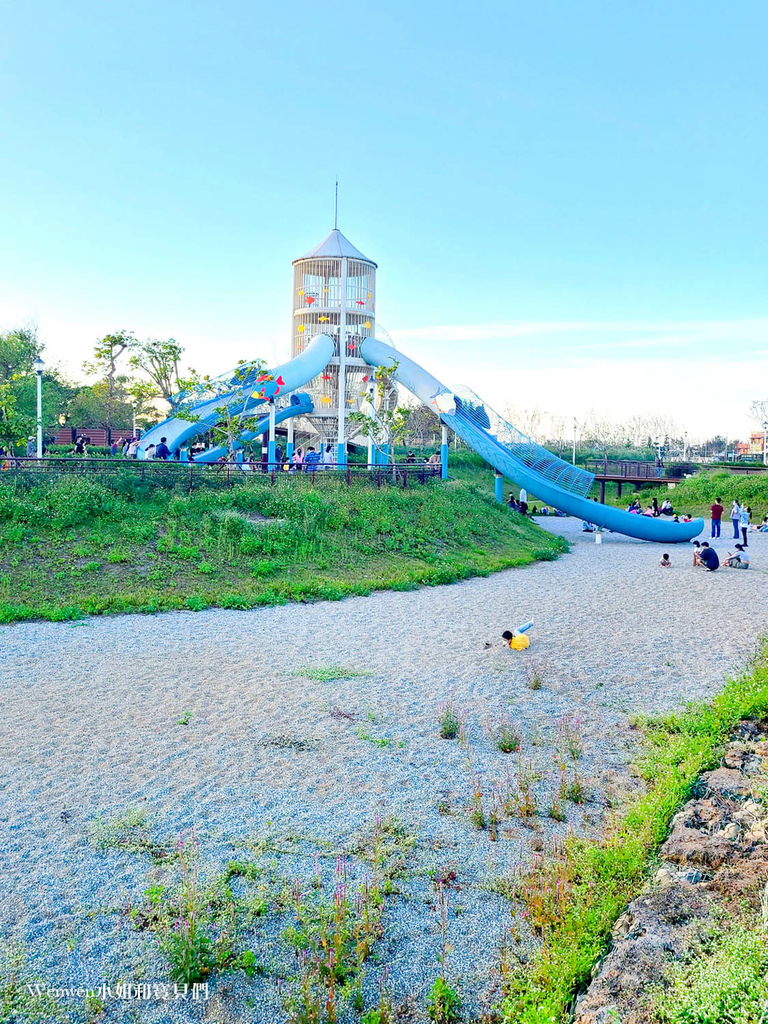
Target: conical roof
<point>335,245</point>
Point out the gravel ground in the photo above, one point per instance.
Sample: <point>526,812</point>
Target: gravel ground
<point>91,728</point>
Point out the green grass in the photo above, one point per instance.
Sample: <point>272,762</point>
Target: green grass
<point>727,982</point>
<point>330,673</point>
<point>76,546</point>
<point>572,899</point>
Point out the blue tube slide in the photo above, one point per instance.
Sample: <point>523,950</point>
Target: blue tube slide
<point>238,396</point>
<point>552,480</point>
<point>300,405</point>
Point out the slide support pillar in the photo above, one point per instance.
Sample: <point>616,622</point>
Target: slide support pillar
<point>498,487</point>
<point>289,442</point>
<point>444,454</point>
<point>271,448</point>
<point>341,454</point>
<point>184,455</point>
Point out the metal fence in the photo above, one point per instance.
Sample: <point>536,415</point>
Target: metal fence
<point>191,475</point>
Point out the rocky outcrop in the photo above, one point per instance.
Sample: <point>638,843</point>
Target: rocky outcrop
<point>716,855</point>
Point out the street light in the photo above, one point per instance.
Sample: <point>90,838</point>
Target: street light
<point>575,428</point>
<point>765,434</point>
<point>38,365</point>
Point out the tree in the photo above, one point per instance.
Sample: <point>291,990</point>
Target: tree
<point>386,424</point>
<point>106,354</point>
<point>758,410</point>
<point>159,360</point>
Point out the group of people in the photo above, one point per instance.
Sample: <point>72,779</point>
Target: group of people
<point>706,557</point>
<point>519,504</point>
<point>654,509</point>
<point>309,461</point>
<point>741,520</point>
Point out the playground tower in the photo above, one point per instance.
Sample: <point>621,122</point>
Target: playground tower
<point>334,293</point>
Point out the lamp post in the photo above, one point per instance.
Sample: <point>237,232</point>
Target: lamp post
<point>575,425</point>
<point>38,365</point>
<point>765,435</point>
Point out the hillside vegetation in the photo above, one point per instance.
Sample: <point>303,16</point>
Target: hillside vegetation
<point>76,545</point>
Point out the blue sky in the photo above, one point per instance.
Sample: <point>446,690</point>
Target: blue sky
<point>566,200</point>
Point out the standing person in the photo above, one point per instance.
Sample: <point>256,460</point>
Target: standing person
<point>311,460</point>
<point>735,512</point>
<point>297,459</point>
<point>80,446</point>
<point>328,457</point>
<point>31,447</point>
<point>744,520</point>
<point>659,466</point>
<point>523,499</point>
<point>162,451</point>
<point>132,448</point>
<point>113,449</point>
<point>655,504</point>
<point>511,501</point>
<point>126,446</point>
<point>716,511</point>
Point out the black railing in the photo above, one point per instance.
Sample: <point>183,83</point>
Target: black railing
<point>193,474</point>
<point>635,470</point>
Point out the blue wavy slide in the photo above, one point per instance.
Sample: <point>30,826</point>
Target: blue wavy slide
<point>241,395</point>
<point>549,478</point>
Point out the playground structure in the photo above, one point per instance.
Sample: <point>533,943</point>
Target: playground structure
<point>334,350</point>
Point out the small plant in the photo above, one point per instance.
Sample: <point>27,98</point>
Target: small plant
<point>572,789</point>
<point>523,796</point>
<point>384,1012</point>
<point>477,812</point>
<point>449,721</point>
<point>556,809</point>
<point>378,741</point>
<point>185,718</point>
<point>506,738</point>
<point>331,673</point>
<point>536,673</point>
<point>443,1004</point>
<point>130,832</point>
<point>186,942</point>
<point>569,739</point>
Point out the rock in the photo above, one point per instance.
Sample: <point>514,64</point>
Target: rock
<point>664,876</point>
<point>724,782</point>
<point>731,831</point>
<point>656,931</point>
<point>691,876</point>
<point>689,846</point>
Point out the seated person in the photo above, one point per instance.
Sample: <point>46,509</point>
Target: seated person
<point>709,558</point>
<point>763,527</point>
<point>666,508</point>
<point>649,511</point>
<point>587,527</point>
<point>545,510</point>
<point>687,517</point>
<point>697,553</point>
<point>738,559</point>
<point>664,561</point>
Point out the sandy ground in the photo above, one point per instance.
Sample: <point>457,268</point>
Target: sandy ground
<point>90,726</point>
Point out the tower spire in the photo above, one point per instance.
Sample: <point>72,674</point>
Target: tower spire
<point>336,208</point>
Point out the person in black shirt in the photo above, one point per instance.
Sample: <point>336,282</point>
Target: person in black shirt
<point>709,557</point>
<point>162,451</point>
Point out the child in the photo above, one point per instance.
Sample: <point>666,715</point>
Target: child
<point>515,641</point>
<point>696,553</point>
<point>664,561</point>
